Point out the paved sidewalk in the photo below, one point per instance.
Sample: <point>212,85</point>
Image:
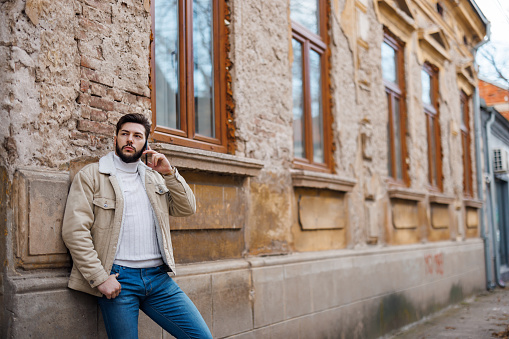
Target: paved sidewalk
<point>484,316</point>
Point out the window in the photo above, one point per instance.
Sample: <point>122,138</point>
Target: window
<point>187,68</point>
<point>310,85</point>
<point>394,81</point>
<point>429,81</point>
<point>465,144</point>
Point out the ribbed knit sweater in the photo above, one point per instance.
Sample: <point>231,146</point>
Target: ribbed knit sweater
<point>137,244</point>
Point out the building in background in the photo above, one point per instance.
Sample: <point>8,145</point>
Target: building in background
<point>330,145</point>
<point>495,96</point>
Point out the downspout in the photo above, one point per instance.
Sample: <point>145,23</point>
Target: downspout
<point>480,181</point>
<point>494,231</point>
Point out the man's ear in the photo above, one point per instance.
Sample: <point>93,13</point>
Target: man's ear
<point>115,144</point>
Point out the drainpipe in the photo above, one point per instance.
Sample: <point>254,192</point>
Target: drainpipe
<point>480,181</point>
<point>494,230</point>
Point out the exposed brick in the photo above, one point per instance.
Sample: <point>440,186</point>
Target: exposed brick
<point>95,127</point>
<point>121,107</point>
<point>84,85</point>
<point>96,77</point>
<point>84,99</point>
<point>129,98</point>
<point>85,111</point>
<point>101,103</point>
<point>98,115</point>
<point>145,102</point>
<point>114,116</point>
<point>99,90</point>
<point>89,62</point>
<point>115,94</point>
<point>93,114</point>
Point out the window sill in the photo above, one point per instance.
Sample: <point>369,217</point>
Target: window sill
<point>196,159</point>
<point>398,192</point>
<point>308,179</point>
<point>473,203</point>
<point>440,199</point>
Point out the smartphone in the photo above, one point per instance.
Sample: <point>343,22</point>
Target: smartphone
<point>146,148</point>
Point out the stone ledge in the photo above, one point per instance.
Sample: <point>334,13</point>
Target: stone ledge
<point>397,192</point>
<point>440,199</point>
<point>309,179</point>
<point>31,283</point>
<point>196,159</point>
<point>297,258</point>
<point>473,203</point>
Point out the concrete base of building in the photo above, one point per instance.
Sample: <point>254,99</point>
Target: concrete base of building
<point>361,293</point>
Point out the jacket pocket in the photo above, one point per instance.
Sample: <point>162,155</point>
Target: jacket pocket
<point>104,203</point>
<point>161,189</point>
<point>104,212</point>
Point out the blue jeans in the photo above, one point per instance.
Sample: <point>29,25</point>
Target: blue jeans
<point>158,296</point>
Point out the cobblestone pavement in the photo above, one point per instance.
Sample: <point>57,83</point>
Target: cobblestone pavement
<point>483,316</point>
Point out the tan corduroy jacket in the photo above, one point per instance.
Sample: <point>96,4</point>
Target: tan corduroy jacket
<point>93,218</point>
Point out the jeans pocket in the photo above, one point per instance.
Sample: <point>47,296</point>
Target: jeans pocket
<point>115,269</point>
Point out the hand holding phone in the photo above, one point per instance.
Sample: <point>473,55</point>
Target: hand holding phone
<point>158,162</point>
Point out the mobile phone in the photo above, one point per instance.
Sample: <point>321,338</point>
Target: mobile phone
<point>146,148</point>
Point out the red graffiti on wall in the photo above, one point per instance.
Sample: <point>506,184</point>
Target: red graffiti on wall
<point>434,264</point>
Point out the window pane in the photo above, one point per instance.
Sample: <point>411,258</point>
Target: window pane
<point>463,120</point>
<point>397,140</point>
<point>315,82</point>
<point>426,87</point>
<point>203,68</point>
<point>389,138</point>
<point>167,66</point>
<point>298,102</point>
<point>389,63</point>
<point>433,150</point>
<point>306,13</point>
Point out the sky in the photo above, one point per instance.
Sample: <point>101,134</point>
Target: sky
<point>497,12</point>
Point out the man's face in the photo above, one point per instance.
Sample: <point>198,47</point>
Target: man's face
<point>129,142</point>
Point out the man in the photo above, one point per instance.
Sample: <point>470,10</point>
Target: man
<point>116,226</point>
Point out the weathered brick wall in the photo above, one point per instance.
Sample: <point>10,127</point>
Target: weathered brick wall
<point>73,68</point>
<point>495,96</point>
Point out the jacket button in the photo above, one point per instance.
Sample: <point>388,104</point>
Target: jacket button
<point>91,282</point>
<point>105,205</point>
<point>160,190</point>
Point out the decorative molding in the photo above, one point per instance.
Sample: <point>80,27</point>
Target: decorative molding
<point>405,194</point>
<point>440,199</point>
<point>431,46</point>
<point>398,20</point>
<point>309,179</point>
<point>473,203</point>
<point>201,160</point>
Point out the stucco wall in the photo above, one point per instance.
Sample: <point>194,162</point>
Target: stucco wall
<point>70,69</point>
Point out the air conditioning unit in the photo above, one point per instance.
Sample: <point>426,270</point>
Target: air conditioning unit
<point>500,163</point>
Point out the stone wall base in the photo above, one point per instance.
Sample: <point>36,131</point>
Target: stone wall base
<point>333,294</point>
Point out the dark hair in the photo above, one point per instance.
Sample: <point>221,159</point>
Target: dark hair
<point>136,118</point>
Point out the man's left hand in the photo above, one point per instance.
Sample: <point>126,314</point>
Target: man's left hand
<point>158,162</point>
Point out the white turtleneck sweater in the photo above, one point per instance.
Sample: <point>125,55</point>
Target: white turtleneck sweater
<point>137,244</point>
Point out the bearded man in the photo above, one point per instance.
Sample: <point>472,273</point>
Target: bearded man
<point>116,226</point>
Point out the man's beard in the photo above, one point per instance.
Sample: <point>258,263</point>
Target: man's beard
<point>128,158</point>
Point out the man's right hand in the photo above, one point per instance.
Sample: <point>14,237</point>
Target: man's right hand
<point>111,287</point>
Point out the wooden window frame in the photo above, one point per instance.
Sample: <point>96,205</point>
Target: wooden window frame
<point>397,91</point>
<point>432,114</point>
<point>319,44</point>
<point>466,145</point>
<point>187,136</point>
